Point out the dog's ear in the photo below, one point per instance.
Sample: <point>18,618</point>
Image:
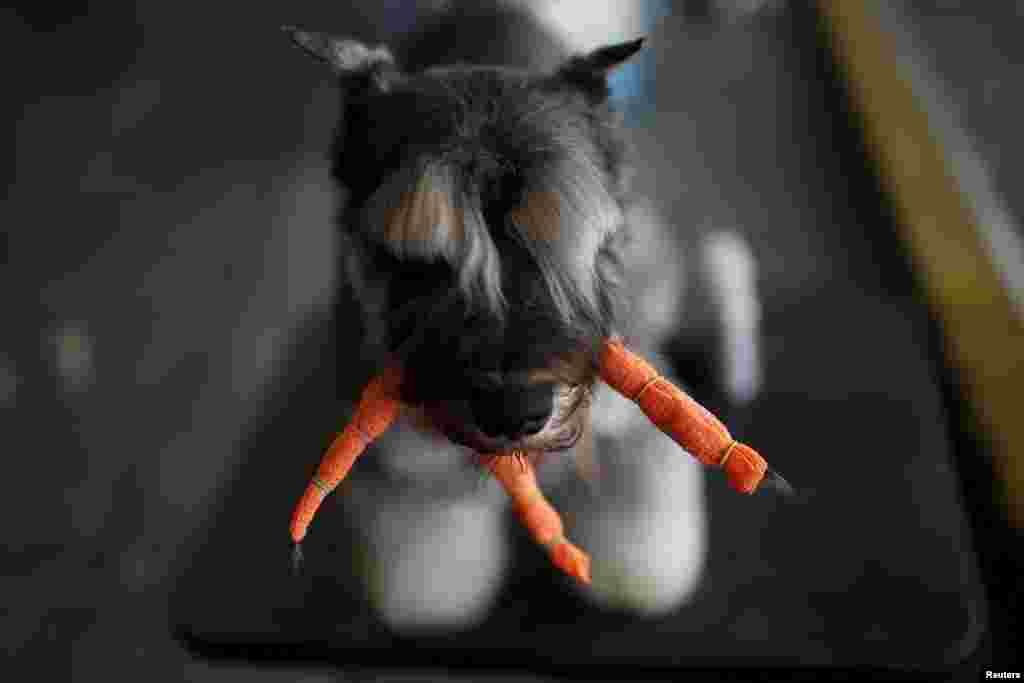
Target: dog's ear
<point>590,72</point>
<point>356,64</point>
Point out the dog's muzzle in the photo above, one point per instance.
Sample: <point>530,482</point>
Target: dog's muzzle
<point>538,417</point>
<point>513,412</point>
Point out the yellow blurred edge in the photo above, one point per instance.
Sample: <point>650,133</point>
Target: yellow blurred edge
<point>982,329</point>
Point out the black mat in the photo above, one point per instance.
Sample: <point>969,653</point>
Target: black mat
<point>871,570</point>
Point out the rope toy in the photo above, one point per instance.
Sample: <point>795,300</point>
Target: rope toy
<point>670,409</point>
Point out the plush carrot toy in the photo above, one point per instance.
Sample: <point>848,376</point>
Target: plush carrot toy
<point>376,410</point>
<point>516,475</point>
<point>670,409</point>
<point>676,414</point>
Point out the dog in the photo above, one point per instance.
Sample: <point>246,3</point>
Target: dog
<point>485,234</point>
<point>483,231</point>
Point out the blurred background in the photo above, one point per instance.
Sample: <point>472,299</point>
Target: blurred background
<point>169,378</point>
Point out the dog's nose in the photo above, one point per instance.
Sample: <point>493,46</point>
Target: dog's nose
<point>513,413</point>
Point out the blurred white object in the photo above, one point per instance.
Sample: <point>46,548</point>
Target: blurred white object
<point>435,562</point>
<point>419,455</point>
<point>647,531</point>
<point>728,266</point>
<point>586,24</point>
<point>657,275</point>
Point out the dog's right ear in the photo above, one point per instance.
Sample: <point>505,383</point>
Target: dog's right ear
<point>357,65</point>
<point>590,72</point>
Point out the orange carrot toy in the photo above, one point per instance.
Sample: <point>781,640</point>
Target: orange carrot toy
<point>669,408</point>
<point>680,417</point>
<point>376,410</point>
<point>516,475</point>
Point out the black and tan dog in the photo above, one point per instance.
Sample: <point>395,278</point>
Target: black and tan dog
<point>483,231</point>
<point>485,234</point>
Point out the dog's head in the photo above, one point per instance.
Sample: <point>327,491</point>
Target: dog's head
<point>484,220</point>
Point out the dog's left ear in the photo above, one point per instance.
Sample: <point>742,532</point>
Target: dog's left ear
<point>590,71</point>
<point>356,64</point>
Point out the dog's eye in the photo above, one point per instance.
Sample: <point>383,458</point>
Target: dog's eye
<point>505,191</point>
<point>513,188</point>
<point>502,196</point>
